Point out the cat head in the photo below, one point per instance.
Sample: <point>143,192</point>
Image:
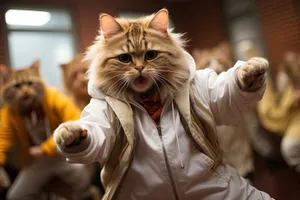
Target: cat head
<point>131,56</point>
<point>74,76</point>
<point>24,88</point>
<point>218,58</point>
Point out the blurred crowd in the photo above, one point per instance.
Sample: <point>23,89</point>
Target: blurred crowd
<point>277,113</point>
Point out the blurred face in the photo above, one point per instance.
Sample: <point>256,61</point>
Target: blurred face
<point>24,89</point>
<point>75,79</point>
<point>79,80</point>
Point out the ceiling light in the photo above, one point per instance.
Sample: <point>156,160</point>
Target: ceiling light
<point>27,17</point>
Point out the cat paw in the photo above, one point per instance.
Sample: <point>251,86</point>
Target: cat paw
<point>68,134</point>
<point>251,75</point>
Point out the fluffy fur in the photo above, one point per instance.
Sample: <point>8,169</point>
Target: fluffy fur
<point>167,71</point>
<point>24,89</point>
<point>75,81</point>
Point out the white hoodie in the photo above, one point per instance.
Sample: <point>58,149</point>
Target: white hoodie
<point>166,163</point>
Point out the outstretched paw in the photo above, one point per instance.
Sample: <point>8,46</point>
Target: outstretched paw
<point>69,133</point>
<point>251,75</point>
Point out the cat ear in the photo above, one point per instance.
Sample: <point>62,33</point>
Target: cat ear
<point>109,26</point>
<point>63,66</point>
<point>160,21</point>
<point>4,70</point>
<point>35,66</point>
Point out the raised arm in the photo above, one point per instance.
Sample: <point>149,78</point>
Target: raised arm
<point>229,93</point>
<point>89,139</point>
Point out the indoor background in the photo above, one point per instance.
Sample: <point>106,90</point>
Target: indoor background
<point>271,27</point>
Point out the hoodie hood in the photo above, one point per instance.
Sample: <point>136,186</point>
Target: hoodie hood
<point>94,92</point>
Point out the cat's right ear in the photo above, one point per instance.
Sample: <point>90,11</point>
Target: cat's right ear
<point>109,26</point>
<point>4,70</point>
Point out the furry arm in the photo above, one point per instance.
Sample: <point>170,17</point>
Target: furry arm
<point>100,135</point>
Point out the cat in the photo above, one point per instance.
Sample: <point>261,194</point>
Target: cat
<point>75,81</point>
<point>151,121</point>
<point>30,113</point>
<point>24,89</point>
<point>4,71</point>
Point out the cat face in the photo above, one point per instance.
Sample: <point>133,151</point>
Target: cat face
<point>24,88</point>
<point>74,76</point>
<point>218,58</point>
<point>132,56</point>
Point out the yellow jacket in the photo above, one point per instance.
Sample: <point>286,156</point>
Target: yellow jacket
<point>58,109</point>
<point>276,113</point>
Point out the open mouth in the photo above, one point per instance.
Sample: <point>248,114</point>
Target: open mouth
<point>26,98</point>
<point>140,81</point>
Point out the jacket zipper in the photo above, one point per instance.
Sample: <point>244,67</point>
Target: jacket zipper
<point>171,178</point>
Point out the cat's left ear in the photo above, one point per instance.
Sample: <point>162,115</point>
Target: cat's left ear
<point>160,21</point>
<point>36,66</point>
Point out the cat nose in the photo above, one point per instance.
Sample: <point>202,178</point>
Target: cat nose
<point>139,68</point>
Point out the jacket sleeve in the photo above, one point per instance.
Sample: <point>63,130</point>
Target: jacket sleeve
<point>96,119</point>
<point>223,95</point>
<point>67,111</point>
<point>6,137</point>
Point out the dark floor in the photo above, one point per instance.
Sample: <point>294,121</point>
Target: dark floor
<point>277,179</point>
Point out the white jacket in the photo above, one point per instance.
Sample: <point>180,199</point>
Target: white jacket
<point>166,164</point>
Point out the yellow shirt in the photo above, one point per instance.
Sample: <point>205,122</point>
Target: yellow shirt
<point>276,115</point>
<point>58,109</point>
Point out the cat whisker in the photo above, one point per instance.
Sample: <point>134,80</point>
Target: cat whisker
<point>167,81</point>
<point>113,86</point>
<point>154,81</point>
<point>124,85</point>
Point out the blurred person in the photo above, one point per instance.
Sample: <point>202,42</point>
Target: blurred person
<point>9,171</point>
<point>30,113</point>
<point>151,121</point>
<point>279,110</point>
<point>75,80</point>
<point>4,71</point>
<point>75,84</point>
<point>218,58</point>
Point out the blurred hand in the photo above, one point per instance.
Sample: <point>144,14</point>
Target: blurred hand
<point>36,152</point>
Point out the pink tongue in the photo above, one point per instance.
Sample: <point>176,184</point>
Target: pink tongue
<point>140,81</point>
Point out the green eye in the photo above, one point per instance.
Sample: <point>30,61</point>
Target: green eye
<point>150,55</point>
<point>125,58</point>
